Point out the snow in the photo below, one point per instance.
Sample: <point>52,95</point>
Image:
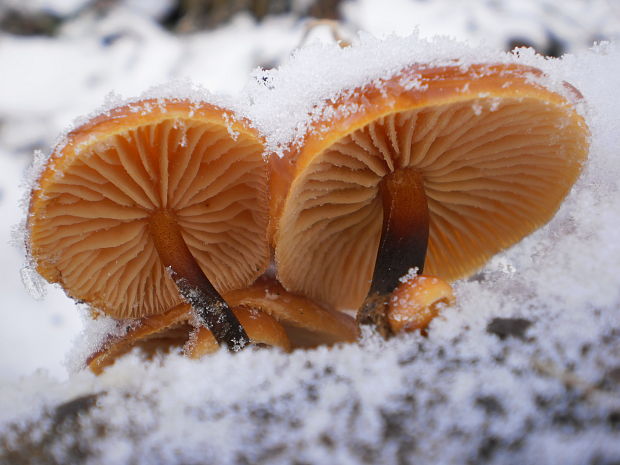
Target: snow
<point>545,392</point>
<point>574,24</point>
<point>287,100</point>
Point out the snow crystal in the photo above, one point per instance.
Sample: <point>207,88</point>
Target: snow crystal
<point>411,274</point>
<point>95,334</point>
<point>33,282</point>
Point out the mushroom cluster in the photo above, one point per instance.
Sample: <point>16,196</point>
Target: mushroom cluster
<point>157,211</point>
<point>168,213</point>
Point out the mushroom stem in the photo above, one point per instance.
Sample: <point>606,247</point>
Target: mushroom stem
<point>404,236</point>
<point>211,309</point>
<point>403,243</point>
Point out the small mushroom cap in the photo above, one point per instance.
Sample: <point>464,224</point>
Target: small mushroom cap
<point>89,212</point>
<point>497,153</point>
<point>307,324</point>
<point>416,301</point>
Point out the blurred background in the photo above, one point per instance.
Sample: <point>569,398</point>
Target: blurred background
<point>61,59</point>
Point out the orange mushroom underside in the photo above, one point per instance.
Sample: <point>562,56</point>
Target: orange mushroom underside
<point>496,154</point>
<point>91,216</point>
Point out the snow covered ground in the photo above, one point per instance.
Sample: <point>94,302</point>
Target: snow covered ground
<point>548,395</point>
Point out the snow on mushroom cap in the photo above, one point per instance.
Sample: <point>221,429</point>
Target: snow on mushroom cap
<point>89,227</point>
<point>285,101</point>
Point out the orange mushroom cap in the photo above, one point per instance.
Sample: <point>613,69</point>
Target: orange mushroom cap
<point>89,211</point>
<point>174,329</point>
<point>496,151</point>
<point>270,316</point>
<point>416,301</point>
<point>307,324</point>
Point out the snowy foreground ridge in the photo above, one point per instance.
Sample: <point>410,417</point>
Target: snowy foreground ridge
<point>524,369</point>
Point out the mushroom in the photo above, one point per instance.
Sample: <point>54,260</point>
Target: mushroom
<point>307,324</point>
<point>436,169</point>
<point>152,204</point>
<point>270,316</point>
<point>163,332</point>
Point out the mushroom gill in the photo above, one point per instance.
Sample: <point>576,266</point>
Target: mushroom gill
<point>478,158</point>
<point>150,204</point>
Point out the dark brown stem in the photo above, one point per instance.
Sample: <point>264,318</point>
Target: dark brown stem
<point>403,243</point>
<point>404,237</point>
<point>211,309</point>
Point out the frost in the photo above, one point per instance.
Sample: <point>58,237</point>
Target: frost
<point>411,274</point>
<point>33,282</point>
<point>182,127</point>
<point>94,336</point>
